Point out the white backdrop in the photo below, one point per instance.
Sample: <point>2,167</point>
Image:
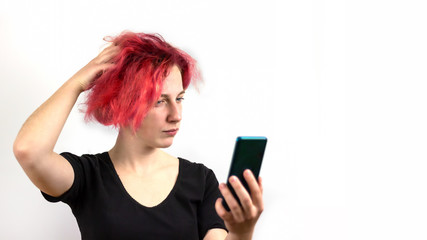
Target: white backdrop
<point>338,87</point>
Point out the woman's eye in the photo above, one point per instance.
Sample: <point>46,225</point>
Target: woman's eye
<point>160,102</point>
<point>180,99</point>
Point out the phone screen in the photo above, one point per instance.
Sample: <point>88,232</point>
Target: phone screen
<point>248,154</point>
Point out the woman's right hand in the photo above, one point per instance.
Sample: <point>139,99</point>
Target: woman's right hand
<point>94,69</point>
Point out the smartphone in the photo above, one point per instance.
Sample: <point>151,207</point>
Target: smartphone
<point>248,154</point>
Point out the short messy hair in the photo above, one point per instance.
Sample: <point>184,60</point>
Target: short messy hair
<point>124,94</point>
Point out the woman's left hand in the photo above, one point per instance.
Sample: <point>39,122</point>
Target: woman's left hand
<point>240,220</point>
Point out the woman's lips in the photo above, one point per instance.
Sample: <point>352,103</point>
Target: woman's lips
<point>171,132</point>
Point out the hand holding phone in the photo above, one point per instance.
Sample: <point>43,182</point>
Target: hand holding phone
<point>248,154</point>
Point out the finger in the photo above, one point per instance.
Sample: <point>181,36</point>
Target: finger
<point>255,189</point>
<point>260,184</point>
<point>222,212</point>
<point>107,54</point>
<point>244,197</point>
<point>107,47</point>
<point>111,48</point>
<point>101,69</point>
<point>234,206</point>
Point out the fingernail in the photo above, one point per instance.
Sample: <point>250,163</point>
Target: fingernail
<point>233,179</point>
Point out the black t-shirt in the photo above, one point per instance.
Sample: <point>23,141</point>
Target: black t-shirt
<point>104,210</point>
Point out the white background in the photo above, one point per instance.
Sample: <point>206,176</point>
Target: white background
<point>338,87</point>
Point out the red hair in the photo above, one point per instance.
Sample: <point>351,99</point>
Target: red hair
<point>124,94</point>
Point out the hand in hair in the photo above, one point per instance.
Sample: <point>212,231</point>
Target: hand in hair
<point>96,67</point>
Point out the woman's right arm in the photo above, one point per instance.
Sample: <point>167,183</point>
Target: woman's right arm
<point>33,147</point>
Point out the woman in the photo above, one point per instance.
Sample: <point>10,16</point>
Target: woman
<point>135,190</point>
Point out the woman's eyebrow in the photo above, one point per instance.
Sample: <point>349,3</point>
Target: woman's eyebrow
<point>167,96</point>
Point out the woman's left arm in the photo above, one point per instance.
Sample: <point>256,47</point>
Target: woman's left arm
<point>240,220</point>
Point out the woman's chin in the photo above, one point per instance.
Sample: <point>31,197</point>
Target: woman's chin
<point>166,143</point>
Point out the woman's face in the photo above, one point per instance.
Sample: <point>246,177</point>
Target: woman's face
<point>162,122</point>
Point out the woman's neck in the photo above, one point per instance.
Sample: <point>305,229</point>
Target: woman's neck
<point>130,153</point>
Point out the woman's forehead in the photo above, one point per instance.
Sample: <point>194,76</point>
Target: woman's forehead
<point>172,85</point>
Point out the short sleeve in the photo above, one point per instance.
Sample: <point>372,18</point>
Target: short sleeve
<point>208,218</point>
<point>71,194</point>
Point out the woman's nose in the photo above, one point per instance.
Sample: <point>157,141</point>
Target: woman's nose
<point>175,113</point>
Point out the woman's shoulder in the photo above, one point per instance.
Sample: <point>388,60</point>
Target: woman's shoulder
<point>191,164</point>
<point>93,156</point>
<point>194,168</point>
<point>87,158</point>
